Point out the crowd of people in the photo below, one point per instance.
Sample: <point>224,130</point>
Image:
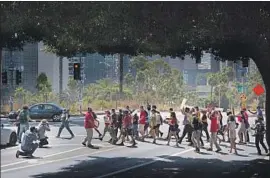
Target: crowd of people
<point>133,126</point>
<point>149,120</point>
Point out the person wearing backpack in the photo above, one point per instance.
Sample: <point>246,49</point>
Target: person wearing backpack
<point>196,133</point>
<point>259,136</point>
<point>24,119</point>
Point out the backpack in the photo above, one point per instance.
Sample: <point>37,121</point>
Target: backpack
<point>146,113</point>
<point>197,125</point>
<point>23,117</point>
<point>260,129</point>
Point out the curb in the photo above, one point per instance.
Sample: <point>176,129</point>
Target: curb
<point>80,115</point>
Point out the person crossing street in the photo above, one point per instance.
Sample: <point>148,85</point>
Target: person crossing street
<point>65,123</point>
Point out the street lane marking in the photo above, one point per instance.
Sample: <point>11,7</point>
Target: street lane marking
<point>143,164</point>
<point>58,160</point>
<point>55,154</point>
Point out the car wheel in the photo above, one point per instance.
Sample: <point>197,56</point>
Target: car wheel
<point>12,139</point>
<point>56,118</point>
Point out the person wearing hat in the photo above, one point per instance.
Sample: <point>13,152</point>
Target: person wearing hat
<point>42,128</point>
<point>29,143</point>
<point>65,123</point>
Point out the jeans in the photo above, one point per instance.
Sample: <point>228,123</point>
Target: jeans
<point>135,130</point>
<point>205,125</point>
<point>258,141</point>
<point>29,151</point>
<point>187,130</point>
<point>23,128</point>
<point>65,124</point>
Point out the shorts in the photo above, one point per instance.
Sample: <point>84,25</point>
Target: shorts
<point>141,127</point>
<point>173,128</point>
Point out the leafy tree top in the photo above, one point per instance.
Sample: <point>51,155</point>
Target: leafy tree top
<point>230,30</point>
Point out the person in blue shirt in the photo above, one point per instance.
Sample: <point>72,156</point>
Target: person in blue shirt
<point>258,112</point>
<point>29,143</point>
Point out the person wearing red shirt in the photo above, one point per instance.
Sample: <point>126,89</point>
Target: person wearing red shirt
<point>89,124</point>
<point>214,129</point>
<point>142,122</point>
<point>127,128</point>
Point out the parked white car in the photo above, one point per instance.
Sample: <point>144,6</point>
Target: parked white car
<point>8,133</point>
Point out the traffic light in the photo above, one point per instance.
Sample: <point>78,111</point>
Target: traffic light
<point>198,60</point>
<point>77,71</point>
<point>18,77</point>
<point>4,77</point>
<point>245,63</point>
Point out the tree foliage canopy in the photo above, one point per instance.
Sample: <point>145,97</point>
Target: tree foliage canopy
<point>230,30</point>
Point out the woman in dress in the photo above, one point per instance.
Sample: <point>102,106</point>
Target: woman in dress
<point>231,128</point>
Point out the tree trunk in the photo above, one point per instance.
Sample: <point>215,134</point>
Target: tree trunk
<point>1,87</point>
<point>121,74</point>
<point>60,78</point>
<point>263,63</point>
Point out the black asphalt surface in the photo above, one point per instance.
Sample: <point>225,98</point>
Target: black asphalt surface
<point>66,157</point>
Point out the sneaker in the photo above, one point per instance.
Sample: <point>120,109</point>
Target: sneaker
<point>90,146</point>
<point>17,154</point>
<point>100,138</point>
<point>121,144</point>
<point>209,149</point>
<point>84,144</point>
<point>218,150</point>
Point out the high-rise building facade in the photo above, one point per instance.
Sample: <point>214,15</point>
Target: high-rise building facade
<point>26,61</point>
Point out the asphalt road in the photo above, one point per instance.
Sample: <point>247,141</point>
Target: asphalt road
<point>66,157</point>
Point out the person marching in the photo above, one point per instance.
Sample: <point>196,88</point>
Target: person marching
<point>153,125</point>
<point>213,116</point>
<point>127,128</point>
<point>142,122</point>
<point>65,124</point>
<point>119,122</point>
<point>205,125</point>
<point>159,121</point>
<point>173,129</point>
<point>196,133</point>
<point>259,135</point>
<point>114,127</point>
<point>187,125</point>
<point>135,126</point>
<point>24,119</point>
<point>107,122</point>
<point>96,128</point>
<point>231,128</point>
<point>243,128</point>
<point>170,111</point>
<point>89,125</point>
